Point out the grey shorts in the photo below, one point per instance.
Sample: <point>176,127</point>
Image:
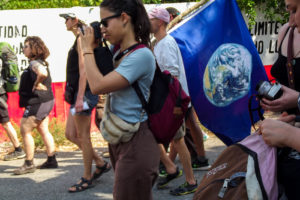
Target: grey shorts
<point>180,133</point>
<point>40,110</point>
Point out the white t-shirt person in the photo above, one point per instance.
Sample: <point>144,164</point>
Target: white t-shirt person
<point>168,56</point>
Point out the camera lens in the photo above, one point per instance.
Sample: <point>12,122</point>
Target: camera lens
<point>263,88</point>
<point>258,85</point>
<point>97,31</point>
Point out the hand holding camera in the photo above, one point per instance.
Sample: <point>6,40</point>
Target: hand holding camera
<point>86,40</point>
<point>90,35</point>
<point>284,99</point>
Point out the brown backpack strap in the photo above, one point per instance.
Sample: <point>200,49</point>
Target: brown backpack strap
<point>290,59</point>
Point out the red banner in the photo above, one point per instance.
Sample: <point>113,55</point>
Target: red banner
<point>60,110</point>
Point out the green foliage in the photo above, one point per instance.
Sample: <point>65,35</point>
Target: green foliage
<point>31,4</point>
<point>273,9</point>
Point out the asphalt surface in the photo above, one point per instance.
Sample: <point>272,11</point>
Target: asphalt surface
<point>52,184</point>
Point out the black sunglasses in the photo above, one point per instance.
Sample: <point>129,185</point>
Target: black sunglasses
<point>104,22</point>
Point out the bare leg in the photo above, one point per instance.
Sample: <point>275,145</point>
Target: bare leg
<point>12,134</point>
<point>72,134</point>
<point>47,136</point>
<point>27,125</point>
<point>185,160</point>
<point>168,163</point>
<point>83,124</point>
<point>173,152</point>
<point>196,132</point>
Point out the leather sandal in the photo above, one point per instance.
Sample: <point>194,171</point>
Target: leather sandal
<point>105,168</point>
<point>82,185</point>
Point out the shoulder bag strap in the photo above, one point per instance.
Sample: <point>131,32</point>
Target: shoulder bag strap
<point>138,91</point>
<point>280,45</point>
<point>290,59</point>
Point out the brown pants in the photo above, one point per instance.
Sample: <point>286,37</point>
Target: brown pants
<point>136,166</point>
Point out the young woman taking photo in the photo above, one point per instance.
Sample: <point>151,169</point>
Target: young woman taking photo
<point>135,156</point>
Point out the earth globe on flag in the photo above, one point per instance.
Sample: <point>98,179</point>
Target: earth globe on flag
<point>227,76</point>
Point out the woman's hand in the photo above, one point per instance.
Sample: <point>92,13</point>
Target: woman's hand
<point>87,39</point>
<point>286,101</point>
<point>79,105</point>
<point>275,132</point>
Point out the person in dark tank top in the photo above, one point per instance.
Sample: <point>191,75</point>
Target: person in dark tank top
<point>79,118</point>
<point>37,98</point>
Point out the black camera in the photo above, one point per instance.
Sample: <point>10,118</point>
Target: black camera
<point>97,31</point>
<point>268,90</point>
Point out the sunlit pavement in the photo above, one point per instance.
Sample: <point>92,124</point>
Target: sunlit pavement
<point>53,184</point>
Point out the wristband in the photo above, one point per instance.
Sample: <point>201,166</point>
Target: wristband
<point>87,53</point>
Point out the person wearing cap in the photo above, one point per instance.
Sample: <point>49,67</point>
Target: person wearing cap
<point>169,58</point>
<point>198,163</point>
<point>77,94</point>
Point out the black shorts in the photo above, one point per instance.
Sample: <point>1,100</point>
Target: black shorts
<point>40,111</point>
<point>4,117</point>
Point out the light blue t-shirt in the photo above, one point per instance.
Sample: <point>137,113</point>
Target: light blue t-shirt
<point>138,65</point>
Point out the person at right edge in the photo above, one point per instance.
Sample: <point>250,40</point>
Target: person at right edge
<point>286,71</point>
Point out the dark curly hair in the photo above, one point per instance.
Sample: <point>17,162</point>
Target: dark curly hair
<point>139,17</point>
<point>38,48</point>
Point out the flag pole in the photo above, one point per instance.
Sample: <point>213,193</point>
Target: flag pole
<point>185,13</point>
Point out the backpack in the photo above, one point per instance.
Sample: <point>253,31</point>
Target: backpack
<point>246,170</point>
<point>166,95</point>
<point>10,69</point>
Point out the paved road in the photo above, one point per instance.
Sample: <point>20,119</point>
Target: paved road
<point>53,184</point>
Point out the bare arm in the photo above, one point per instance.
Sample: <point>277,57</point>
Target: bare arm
<point>82,78</point>
<point>42,74</point>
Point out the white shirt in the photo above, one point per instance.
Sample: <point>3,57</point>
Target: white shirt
<point>168,56</point>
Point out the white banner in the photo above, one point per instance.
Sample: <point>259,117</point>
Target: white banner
<point>16,25</point>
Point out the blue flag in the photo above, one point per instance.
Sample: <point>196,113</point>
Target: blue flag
<point>222,68</point>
